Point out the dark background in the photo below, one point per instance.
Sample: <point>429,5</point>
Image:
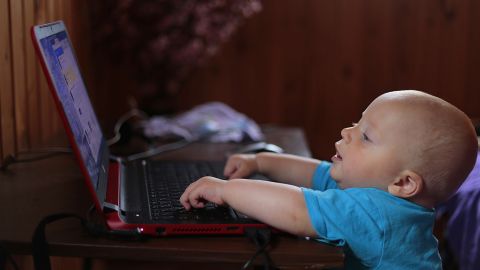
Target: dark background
<point>318,64</point>
<point>314,64</point>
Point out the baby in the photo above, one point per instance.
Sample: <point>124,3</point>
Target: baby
<point>409,152</point>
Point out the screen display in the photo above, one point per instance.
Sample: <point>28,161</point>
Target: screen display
<point>73,97</point>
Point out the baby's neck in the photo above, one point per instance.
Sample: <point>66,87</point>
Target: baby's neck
<point>422,201</point>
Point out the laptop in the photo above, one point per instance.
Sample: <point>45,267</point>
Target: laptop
<point>143,195</point>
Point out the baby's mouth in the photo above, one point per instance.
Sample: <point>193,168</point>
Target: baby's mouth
<point>337,157</point>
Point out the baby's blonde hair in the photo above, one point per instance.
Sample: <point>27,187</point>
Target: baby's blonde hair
<point>446,147</point>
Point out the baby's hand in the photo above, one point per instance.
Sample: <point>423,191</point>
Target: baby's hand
<point>239,166</point>
<point>205,189</point>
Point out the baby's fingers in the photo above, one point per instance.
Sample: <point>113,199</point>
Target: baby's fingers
<point>196,194</point>
<point>241,172</point>
<point>239,166</point>
<point>196,201</point>
<point>185,198</point>
<point>192,199</point>
<point>184,201</point>
<point>231,167</point>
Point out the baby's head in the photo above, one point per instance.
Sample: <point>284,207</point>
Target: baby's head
<point>409,143</point>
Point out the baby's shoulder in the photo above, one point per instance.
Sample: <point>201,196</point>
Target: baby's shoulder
<point>376,200</point>
<point>369,194</point>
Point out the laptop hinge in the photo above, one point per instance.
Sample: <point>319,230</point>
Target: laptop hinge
<point>117,159</point>
<point>111,206</point>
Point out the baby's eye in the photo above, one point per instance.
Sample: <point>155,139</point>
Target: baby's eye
<point>365,137</point>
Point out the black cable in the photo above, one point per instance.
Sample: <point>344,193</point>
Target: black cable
<point>38,154</point>
<point>168,147</point>
<point>158,150</point>
<point>43,153</point>
<point>5,257</point>
<point>90,212</point>
<point>40,249</point>
<point>261,237</point>
<point>121,121</point>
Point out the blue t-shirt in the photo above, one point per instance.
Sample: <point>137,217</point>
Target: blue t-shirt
<point>376,229</point>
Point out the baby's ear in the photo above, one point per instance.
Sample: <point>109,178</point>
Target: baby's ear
<point>406,185</point>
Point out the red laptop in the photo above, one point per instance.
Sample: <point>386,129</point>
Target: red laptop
<point>140,195</point>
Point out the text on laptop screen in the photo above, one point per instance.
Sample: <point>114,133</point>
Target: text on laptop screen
<point>74,98</point>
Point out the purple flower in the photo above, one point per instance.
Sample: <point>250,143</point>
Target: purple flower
<point>162,41</point>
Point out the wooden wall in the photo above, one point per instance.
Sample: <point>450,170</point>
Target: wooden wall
<point>318,64</point>
<point>309,63</point>
<point>28,118</point>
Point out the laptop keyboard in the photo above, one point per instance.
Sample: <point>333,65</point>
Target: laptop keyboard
<point>166,182</point>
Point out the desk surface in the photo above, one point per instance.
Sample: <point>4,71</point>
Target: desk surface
<point>30,191</point>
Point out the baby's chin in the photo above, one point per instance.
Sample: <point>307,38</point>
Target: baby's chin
<point>340,184</point>
<point>334,175</point>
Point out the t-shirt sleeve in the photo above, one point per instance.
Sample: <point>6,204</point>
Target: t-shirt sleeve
<point>347,217</point>
<point>321,177</point>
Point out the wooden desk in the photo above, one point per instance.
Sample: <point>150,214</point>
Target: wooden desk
<point>30,191</point>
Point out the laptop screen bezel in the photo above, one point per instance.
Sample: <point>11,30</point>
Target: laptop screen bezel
<point>38,33</point>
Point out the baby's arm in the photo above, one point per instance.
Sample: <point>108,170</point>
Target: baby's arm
<point>279,205</point>
<point>283,168</point>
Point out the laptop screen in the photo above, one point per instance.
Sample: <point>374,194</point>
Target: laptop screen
<point>70,88</point>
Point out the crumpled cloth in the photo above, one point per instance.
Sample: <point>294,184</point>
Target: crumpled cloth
<point>213,121</point>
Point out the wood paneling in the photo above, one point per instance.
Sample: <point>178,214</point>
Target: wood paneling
<point>31,73</point>
<point>28,117</point>
<point>18,46</point>
<point>318,64</point>
<point>7,111</point>
<point>309,63</point>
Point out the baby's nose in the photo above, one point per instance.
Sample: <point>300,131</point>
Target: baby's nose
<point>346,135</point>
